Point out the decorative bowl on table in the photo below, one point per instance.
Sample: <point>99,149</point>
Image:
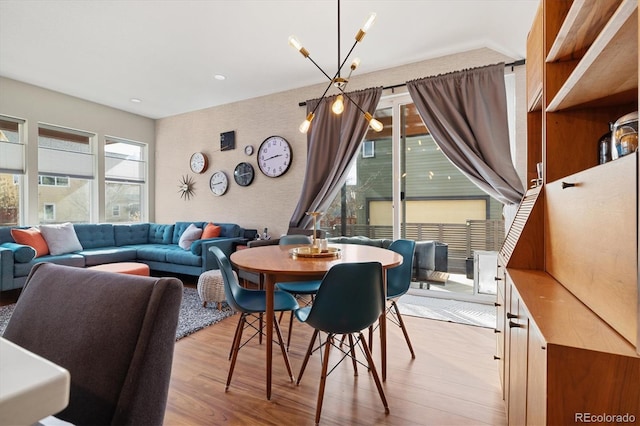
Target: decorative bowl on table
<point>314,252</point>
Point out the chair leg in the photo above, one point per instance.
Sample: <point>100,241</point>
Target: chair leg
<point>236,348</point>
<point>289,331</point>
<point>374,372</point>
<point>235,336</point>
<point>323,376</point>
<point>352,349</point>
<point>371,337</point>
<point>307,355</point>
<point>282,348</point>
<point>404,329</point>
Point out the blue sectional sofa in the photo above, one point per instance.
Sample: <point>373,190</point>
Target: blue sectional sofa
<point>153,244</point>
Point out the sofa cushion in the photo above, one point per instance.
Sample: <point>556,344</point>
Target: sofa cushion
<point>31,237</point>
<point>93,235</point>
<point>21,253</point>
<point>136,233</point>
<point>160,234</point>
<point>69,259</point>
<point>100,255</point>
<point>155,252</point>
<point>181,257</point>
<point>61,238</point>
<point>230,230</point>
<point>180,227</point>
<point>189,235</point>
<point>359,239</point>
<point>211,231</point>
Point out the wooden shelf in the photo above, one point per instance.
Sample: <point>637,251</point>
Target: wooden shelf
<point>583,23</point>
<point>615,48</point>
<point>562,318</point>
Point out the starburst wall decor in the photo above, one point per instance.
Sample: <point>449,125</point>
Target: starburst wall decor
<point>186,187</point>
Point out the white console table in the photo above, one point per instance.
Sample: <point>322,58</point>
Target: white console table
<point>31,387</point>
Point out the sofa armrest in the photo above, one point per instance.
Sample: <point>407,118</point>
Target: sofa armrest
<point>442,257</point>
<point>227,245</point>
<point>259,243</point>
<point>21,253</point>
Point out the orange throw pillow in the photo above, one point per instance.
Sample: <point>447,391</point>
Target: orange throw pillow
<point>31,237</point>
<point>211,231</point>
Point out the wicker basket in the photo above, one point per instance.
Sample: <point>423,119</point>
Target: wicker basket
<point>211,287</point>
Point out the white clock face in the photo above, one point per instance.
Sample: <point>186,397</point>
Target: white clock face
<point>218,183</point>
<point>198,162</point>
<point>248,149</point>
<point>274,157</point>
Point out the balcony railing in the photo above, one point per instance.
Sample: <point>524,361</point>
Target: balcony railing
<point>462,239</point>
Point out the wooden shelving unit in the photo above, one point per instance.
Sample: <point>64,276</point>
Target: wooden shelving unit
<point>568,320</point>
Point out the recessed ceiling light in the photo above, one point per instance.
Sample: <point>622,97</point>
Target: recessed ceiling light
<point>219,77</point>
<point>135,100</point>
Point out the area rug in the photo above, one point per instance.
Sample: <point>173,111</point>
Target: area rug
<point>193,316</point>
<point>476,314</point>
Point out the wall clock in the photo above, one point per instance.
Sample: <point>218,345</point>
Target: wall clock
<point>274,156</point>
<point>228,140</point>
<point>248,149</point>
<point>185,188</point>
<point>218,183</point>
<point>243,174</point>
<point>198,162</point>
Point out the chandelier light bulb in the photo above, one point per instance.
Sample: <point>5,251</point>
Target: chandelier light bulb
<point>375,124</point>
<point>365,28</point>
<point>295,43</point>
<point>338,105</point>
<point>369,23</point>
<point>304,127</point>
<point>355,64</point>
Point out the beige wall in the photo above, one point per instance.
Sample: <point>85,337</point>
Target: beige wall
<point>38,105</point>
<point>269,202</point>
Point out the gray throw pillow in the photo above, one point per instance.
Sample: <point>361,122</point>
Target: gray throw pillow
<point>60,238</point>
<point>191,234</point>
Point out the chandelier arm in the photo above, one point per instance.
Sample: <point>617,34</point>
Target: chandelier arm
<point>352,101</point>
<point>321,70</point>
<point>321,98</point>
<point>347,57</point>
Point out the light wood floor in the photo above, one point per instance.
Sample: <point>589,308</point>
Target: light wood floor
<point>452,381</point>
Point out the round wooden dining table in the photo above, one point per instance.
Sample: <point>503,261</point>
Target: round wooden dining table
<point>277,265</point>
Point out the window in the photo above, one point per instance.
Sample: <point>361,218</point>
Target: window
<point>53,180</point>
<point>368,149</point>
<point>66,174</point>
<point>11,170</point>
<point>49,212</point>
<point>125,180</point>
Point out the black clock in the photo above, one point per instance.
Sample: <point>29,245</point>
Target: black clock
<point>243,174</point>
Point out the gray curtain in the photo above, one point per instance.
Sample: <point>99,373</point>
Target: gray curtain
<point>466,113</point>
<point>332,142</point>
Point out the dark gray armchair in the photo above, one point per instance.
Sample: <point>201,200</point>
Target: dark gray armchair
<point>115,334</point>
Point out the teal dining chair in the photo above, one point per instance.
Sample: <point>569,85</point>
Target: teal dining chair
<point>350,299</point>
<point>298,289</point>
<point>250,304</point>
<point>398,283</point>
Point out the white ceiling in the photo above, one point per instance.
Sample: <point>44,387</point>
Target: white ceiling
<point>166,52</point>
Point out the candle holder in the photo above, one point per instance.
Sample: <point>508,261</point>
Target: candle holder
<point>315,222</point>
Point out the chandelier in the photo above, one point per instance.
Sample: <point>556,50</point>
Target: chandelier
<point>337,80</point>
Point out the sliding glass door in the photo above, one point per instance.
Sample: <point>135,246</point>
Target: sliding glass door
<point>402,186</point>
